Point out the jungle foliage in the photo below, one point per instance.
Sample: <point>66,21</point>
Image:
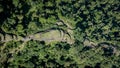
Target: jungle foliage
<point>95,20</point>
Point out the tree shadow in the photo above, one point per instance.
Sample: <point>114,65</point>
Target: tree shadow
<point>8,7</point>
<point>25,7</point>
<point>82,24</point>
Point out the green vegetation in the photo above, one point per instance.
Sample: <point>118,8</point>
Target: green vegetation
<point>93,24</point>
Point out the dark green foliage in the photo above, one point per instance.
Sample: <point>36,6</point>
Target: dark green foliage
<point>62,55</point>
<point>37,55</point>
<point>95,20</point>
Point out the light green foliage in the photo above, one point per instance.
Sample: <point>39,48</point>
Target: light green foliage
<point>16,2</point>
<point>19,28</point>
<point>1,9</point>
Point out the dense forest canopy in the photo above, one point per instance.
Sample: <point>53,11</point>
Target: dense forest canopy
<point>94,25</point>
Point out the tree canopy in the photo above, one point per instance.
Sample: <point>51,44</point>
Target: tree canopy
<point>95,25</point>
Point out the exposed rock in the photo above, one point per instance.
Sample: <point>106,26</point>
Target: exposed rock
<point>89,43</point>
<point>59,23</point>
<point>8,37</point>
